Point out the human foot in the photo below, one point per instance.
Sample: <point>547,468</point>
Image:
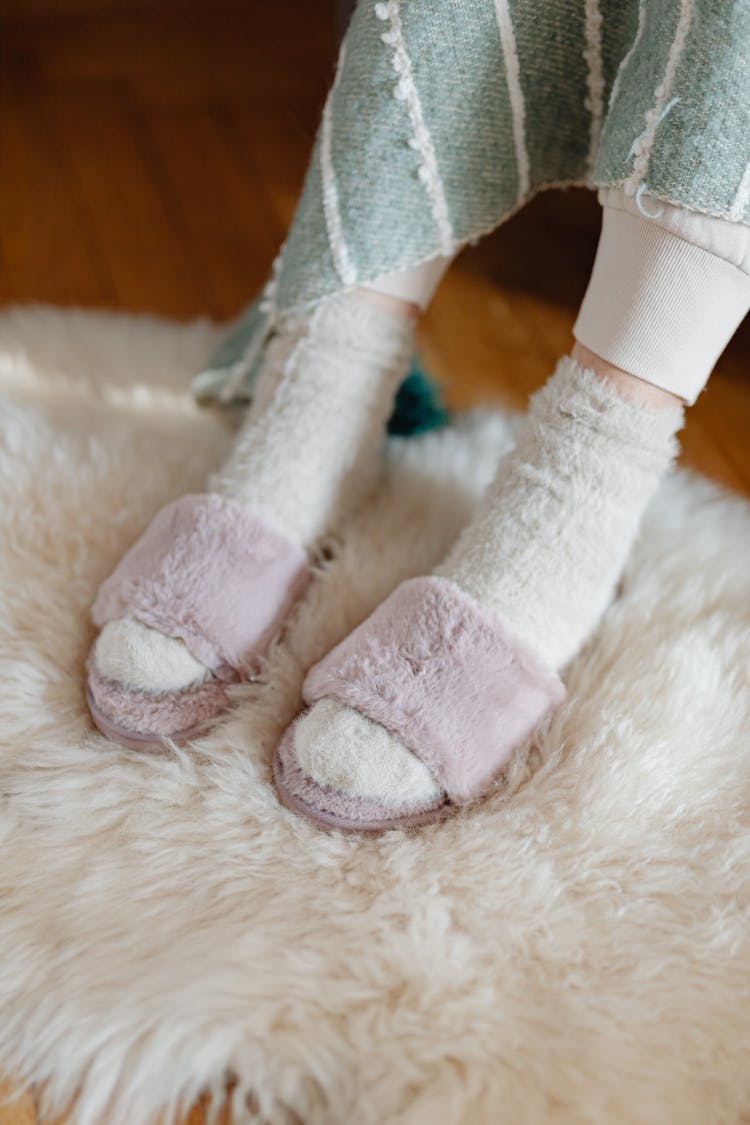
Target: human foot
<point>206,586</point>
<point>307,454</point>
<point>413,714</point>
<point>450,676</point>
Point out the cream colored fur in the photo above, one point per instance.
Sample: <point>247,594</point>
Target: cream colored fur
<point>574,950</point>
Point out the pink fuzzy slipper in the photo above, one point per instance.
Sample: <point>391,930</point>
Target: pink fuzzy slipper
<point>208,572</point>
<point>445,677</point>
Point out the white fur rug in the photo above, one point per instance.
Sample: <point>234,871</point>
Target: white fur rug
<point>576,949</point>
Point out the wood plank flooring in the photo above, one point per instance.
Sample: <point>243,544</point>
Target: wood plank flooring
<point>150,157</point>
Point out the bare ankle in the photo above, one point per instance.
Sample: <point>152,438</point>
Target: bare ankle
<point>629,386</point>
<point>407,310</point>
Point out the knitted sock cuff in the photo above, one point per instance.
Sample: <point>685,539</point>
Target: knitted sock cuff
<point>350,321</point>
<point>576,396</point>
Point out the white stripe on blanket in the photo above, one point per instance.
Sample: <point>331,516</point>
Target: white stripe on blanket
<point>339,250</point>
<point>517,105</point>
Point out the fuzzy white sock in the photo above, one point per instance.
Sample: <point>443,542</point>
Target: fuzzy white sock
<point>308,453</point>
<point>546,549</point>
<point>310,449</point>
<point>554,530</point>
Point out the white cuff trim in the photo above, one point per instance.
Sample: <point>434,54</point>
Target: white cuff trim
<point>658,306</point>
<point>416,284</point>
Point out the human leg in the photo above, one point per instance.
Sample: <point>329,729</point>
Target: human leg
<point>539,562</point>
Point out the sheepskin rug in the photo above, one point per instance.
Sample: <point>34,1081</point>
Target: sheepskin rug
<point>575,949</point>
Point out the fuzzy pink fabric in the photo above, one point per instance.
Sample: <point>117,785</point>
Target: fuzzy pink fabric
<point>136,713</point>
<point>445,676</point>
<point>208,572</point>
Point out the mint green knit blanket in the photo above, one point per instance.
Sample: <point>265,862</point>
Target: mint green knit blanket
<point>446,116</point>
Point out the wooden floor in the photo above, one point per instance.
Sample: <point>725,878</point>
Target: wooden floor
<point>151,153</point>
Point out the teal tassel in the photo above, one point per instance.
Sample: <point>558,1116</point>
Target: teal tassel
<point>418,407</point>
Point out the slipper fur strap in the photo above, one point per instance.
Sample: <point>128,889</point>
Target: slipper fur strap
<point>444,675</point>
<point>209,572</point>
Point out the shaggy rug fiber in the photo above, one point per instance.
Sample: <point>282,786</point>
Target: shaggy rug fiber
<point>575,949</point>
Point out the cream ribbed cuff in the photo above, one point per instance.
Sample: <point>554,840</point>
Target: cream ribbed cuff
<point>659,306</point>
<point>416,284</point>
